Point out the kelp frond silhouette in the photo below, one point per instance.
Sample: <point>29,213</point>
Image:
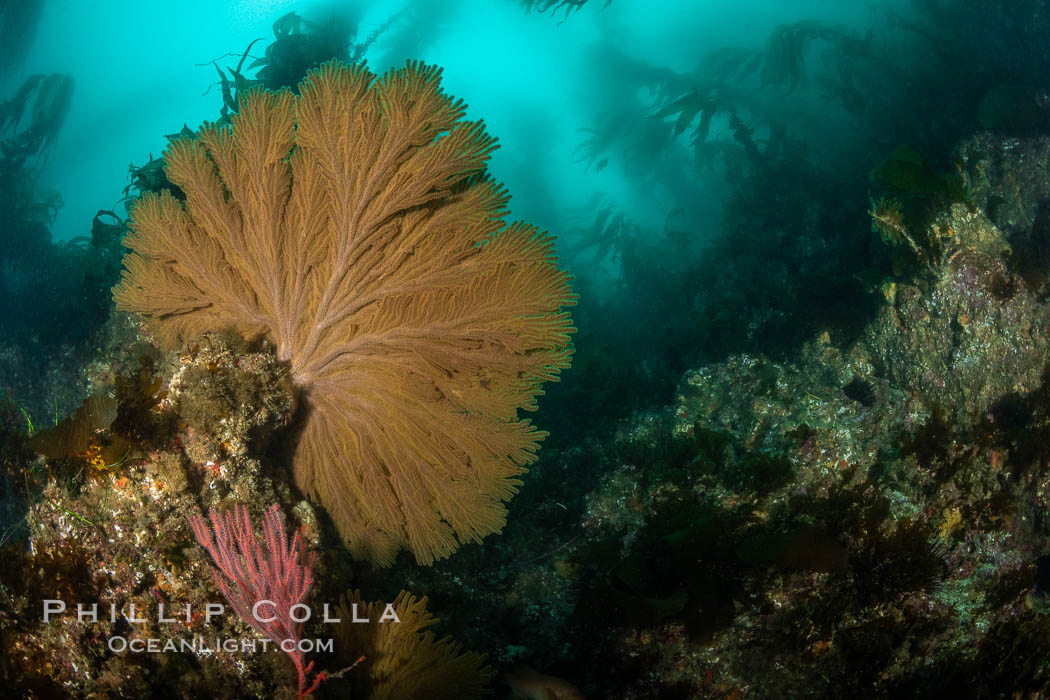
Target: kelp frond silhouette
<point>782,63</point>
<point>612,129</point>
<point>553,6</point>
<point>353,225</point>
<point>611,234</point>
<point>719,84</point>
<point>686,107</point>
<point>50,96</point>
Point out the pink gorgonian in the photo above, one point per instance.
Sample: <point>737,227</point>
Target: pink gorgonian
<point>265,585</point>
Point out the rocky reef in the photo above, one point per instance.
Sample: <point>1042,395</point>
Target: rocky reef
<point>860,519</point>
<point>865,518</point>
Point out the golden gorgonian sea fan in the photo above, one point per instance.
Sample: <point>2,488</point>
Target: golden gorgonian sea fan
<point>405,659</point>
<point>354,226</point>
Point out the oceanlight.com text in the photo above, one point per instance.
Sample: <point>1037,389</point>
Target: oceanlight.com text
<point>199,645</point>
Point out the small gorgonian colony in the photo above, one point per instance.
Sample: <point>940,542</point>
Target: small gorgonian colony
<point>354,226</point>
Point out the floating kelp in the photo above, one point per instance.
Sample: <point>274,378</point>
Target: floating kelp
<point>905,170</point>
<point>104,429</point>
<point>74,434</point>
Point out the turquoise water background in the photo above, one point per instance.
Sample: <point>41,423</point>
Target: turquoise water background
<point>142,70</point>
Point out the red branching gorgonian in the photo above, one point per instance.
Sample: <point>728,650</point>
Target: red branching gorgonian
<point>263,584</point>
